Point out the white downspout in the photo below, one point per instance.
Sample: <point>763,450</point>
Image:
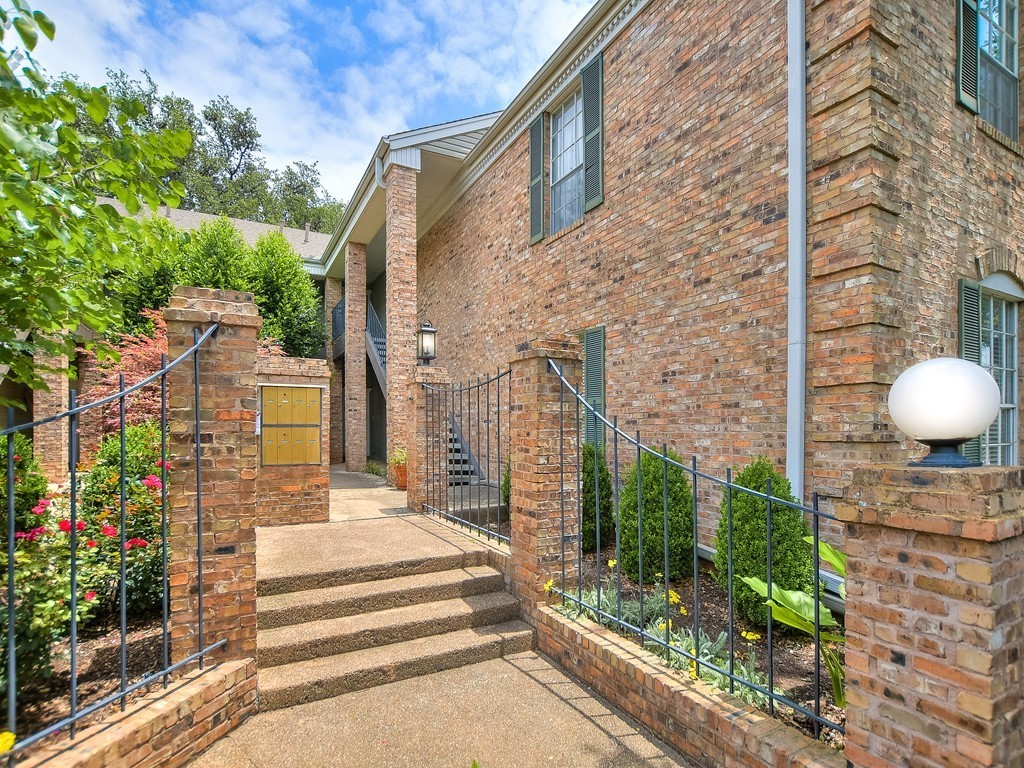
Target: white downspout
<point>796,357</point>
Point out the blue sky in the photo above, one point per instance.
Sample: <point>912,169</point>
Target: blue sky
<point>325,79</point>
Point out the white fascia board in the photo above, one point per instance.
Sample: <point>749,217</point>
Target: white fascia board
<point>430,133</point>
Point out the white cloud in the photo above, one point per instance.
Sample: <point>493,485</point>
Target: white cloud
<point>410,63</point>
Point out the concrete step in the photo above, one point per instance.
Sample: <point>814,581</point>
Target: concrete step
<point>301,642</point>
<point>278,585</point>
<point>335,602</point>
<point>321,678</point>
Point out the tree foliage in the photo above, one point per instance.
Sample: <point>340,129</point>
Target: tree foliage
<point>58,245</point>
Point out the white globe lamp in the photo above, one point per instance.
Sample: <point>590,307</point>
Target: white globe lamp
<point>943,403</point>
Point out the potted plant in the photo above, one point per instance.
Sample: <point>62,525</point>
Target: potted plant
<point>399,461</point>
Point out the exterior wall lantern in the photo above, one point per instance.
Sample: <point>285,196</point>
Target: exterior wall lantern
<point>426,343</point>
<point>943,403</point>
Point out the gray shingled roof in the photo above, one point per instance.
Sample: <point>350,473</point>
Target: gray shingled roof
<point>309,245</point>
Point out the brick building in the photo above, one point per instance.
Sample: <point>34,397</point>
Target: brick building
<point>638,190</point>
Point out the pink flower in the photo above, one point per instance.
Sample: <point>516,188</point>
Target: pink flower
<point>90,595</point>
<point>38,509</point>
<point>17,457</point>
<point>135,543</point>
<point>152,481</point>
<point>90,543</point>
<point>108,530</point>
<point>45,502</point>
<point>21,535</point>
<point>161,464</point>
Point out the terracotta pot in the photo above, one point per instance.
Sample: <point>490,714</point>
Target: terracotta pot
<point>401,476</point>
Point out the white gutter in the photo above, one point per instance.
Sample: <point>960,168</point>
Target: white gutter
<point>796,358</point>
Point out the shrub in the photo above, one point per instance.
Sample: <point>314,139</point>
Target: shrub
<point>214,257</point>
<point>138,358</point>
<point>589,500</point>
<point>506,485</point>
<point>29,483</point>
<point>680,519</point>
<point>791,559</point>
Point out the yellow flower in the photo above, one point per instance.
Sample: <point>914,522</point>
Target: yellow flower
<point>659,575</point>
<point>549,585</point>
<point>674,598</point>
<point>693,670</point>
<point>612,563</point>
<point>7,740</point>
<point>682,610</point>
<point>751,637</point>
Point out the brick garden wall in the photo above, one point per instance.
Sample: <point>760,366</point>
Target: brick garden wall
<point>296,493</point>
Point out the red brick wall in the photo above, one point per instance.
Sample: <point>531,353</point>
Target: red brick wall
<point>299,493</point>
<point>165,728</point>
<point>51,441</point>
<point>684,262</point>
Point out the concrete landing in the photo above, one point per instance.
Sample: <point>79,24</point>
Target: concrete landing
<point>360,496</point>
<point>516,712</point>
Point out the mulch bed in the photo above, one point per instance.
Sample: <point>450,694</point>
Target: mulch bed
<point>99,673</point>
<point>792,658</point>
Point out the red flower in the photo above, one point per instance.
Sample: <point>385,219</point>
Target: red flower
<point>21,535</point>
<point>108,530</point>
<point>135,543</point>
<point>161,464</point>
<point>17,457</point>
<point>90,543</point>
<point>90,595</point>
<point>64,525</point>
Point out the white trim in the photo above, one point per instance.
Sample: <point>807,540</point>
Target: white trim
<point>405,156</point>
<point>583,44</point>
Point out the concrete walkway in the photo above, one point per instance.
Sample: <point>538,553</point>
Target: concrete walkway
<point>517,712</point>
<point>513,712</point>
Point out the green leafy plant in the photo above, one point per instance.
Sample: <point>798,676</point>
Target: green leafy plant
<point>506,485</point>
<point>791,560</point>
<point>398,456</point>
<point>796,609</point>
<point>589,499</point>
<point>30,484</point>
<point>375,468</point>
<point>653,470</point>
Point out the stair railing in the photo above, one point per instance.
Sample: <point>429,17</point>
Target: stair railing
<point>377,347</point>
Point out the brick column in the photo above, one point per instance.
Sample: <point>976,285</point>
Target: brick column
<point>400,282</point>
<point>51,441</point>
<point>355,357</point>
<point>228,402</point>
<point>540,481</point>
<point>428,448</point>
<point>935,617</point>
<point>334,290</point>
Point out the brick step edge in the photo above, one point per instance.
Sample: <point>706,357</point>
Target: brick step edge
<point>301,642</point>
<point>291,608</point>
<point>324,678</point>
<point>279,585</point>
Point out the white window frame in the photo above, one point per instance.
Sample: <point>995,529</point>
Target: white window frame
<point>997,40</point>
<point>571,210</point>
<point>1000,300</point>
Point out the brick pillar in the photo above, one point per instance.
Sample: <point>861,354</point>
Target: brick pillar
<point>90,423</point>
<point>428,448</point>
<point>400,272</point>
<point>540,481</point>
<point>228,403</point>
<point>51,441</point>
<point>334,290</point>
<point>935,617</point>
<point>355,357</point>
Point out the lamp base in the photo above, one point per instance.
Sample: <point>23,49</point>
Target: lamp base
<point>944,454</point>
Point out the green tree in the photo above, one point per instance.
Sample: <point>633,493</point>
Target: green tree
<point>150,275</point>
<point>301,199</point>
<point>214,257</point>
<point>287,299</point>
<point>59,245</point>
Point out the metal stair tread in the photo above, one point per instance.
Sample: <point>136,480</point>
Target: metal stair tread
<point>381,621</point>
<point>473,579</point>
<point>326,676</point>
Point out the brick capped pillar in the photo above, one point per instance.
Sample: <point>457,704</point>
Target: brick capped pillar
<point>228,403</point>
<point>334,290</point>
<point>935,617</point>
<point>400,280</point>
<point>428,448</point>
<point>540,481</point>
<point>51,442</point>
<point>355,357</point>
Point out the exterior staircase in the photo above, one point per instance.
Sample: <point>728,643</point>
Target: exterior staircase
<point>329,633</point>
<point>462,469</point>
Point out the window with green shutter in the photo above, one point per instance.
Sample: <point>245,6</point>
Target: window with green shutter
<point>537,180</point>
<point>593,383</point>
<point>987,62</point>
<point>988,337</point>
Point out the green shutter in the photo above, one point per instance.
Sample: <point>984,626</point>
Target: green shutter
<point>593,383</point>
<point>593,133</point>
<point>537,179</point>
<point>967,54</point>
<point>970,345</point>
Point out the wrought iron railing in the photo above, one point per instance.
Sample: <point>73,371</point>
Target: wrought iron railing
<point>338,320</point>
<point>467,452</point>
<point>72,416</point>
<point>597,587</point>
<point>377,347</point>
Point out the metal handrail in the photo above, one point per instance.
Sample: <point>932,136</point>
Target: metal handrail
<point>375,328</point>
<point>338,320</point>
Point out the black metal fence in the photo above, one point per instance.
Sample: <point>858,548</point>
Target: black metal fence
<point>467,453</point>
<point>645,578</point>
<point>77,709</point>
